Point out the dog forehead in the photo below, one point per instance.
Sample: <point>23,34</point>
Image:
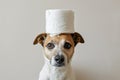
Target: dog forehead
<point>58,38</point>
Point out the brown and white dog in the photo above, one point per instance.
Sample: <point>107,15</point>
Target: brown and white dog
<point>59,50</point>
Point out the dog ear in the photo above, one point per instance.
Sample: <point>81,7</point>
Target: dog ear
<point>40,39</point>
<point>77,38</point>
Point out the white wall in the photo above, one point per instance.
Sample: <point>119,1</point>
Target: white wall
<point>97,20</point>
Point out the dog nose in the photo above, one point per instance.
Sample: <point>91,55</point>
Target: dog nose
<point>59,59</point>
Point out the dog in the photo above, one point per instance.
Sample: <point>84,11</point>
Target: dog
<point>58,52</point>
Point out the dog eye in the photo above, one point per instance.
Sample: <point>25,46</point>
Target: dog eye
<point>67,45</point>
<point>50,46</point>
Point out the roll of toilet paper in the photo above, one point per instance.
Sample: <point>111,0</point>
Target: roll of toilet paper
<point>59,21</point>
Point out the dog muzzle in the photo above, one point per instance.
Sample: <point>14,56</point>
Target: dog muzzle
<point>58,61</point>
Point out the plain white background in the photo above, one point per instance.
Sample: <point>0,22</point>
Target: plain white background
<point>98,21</point>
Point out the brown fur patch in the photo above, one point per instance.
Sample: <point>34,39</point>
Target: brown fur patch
<point>77,38</point>
<point>40,38</point>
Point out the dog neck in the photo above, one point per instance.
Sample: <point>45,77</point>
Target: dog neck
<point>57,73</point>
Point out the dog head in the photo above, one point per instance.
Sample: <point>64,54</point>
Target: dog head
<point>59,49</point>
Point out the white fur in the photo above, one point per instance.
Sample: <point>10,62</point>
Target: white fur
<point>59,21</point>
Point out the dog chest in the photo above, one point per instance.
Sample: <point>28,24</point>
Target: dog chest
<point>59,74</point>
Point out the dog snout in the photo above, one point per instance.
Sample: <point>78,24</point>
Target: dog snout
<point>59,59</point>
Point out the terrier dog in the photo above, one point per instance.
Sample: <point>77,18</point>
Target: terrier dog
<point>58,52</point>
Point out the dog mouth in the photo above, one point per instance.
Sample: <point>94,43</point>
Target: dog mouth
<point>59,65</point>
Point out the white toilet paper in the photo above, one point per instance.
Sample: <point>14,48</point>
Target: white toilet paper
<point>59,21</point>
